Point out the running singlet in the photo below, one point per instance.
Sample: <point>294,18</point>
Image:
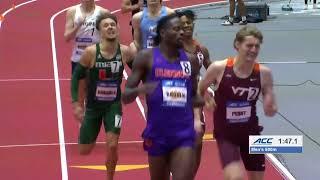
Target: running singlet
<point>148,27</point>
<point>104,80</point>
<point>87,33</point>
<point>236,102</point>
<point>170,112</point>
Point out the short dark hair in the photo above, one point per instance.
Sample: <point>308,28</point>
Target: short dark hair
<point>188,13</point>
<point>162,24</point>
<point>105,16</point>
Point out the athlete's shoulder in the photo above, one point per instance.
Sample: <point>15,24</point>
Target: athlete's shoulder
<point>91,49</point>
<point>125,49</point>
<point>264,70</point>
<point>103,10</point>
<point>72,10</point>
<point>220,63</point>
<point>169,10</point>
<point>137,16</point>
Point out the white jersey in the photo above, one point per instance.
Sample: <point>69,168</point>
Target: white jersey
<point>87,33</point>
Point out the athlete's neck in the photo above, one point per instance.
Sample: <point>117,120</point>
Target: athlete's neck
<point>109,47</point>
<point>170,53</point>
<point>154,9</point>
<point>188,44</point>
<point>242,68</point>
<point>88,6</point>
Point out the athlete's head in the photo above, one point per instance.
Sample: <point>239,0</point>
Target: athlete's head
<point>187,18</point>
<point>247,42</point>
<point>87,1</point>
<point>107,24</point>
<point>153,2</point>
<point>169,31</point>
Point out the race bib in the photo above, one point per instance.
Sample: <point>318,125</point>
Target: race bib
<point>106,91</point>
<point>238,111</point>
<point>150,42</point>
<point>174,93</point>
<point>200,57</point>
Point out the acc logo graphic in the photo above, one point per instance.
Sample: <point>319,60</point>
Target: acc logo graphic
<point>264,141</point>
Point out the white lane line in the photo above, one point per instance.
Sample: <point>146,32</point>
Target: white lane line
<point>75,143</point>
<point>63,156</point>
<point>12,8</point>
<point>31,79</point>
<point>280,167</point>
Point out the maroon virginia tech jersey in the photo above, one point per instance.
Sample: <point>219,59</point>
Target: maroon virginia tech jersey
<point>236,99</point>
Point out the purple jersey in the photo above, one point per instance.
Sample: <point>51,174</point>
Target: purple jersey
<point>170,113</point>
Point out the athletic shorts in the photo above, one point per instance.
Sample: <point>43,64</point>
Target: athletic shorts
<point>230,152</point>
<point>160,147</point>
<point>111,117</point>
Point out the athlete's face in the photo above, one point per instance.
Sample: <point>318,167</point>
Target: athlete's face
<point>151,2</point>
<point>187,25</point>
<point>87,1</point>
<point>173,32</point>
<point>109,29</point>
<point>249,48</point>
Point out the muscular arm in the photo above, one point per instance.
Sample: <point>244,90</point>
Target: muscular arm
<point>71,28</point>
<point>127,55</point>
<point>269,100</point>
<point>104,11</point>
<point>197,101</point>
<point>137,38</point>
<point>79,73</point>
<point>210,77</point>
<point>139,70</point>
<point>126,6</point>
<point>170,11</point>
<point>206,60</point>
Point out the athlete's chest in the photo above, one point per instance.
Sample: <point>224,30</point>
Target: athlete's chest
<point>107,69</point>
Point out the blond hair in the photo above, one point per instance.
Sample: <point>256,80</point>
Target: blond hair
<point>247,31</point>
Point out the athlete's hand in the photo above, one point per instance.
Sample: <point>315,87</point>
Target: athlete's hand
<point>78,112</point>
<point>198,126</point>
<point>198,101</point>
<point>148,88</point>
<point>269,109</point>
<point>209,101</point>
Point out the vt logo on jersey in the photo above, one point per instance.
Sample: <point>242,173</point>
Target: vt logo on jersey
<point>153,29</point>
<point>252,92</point>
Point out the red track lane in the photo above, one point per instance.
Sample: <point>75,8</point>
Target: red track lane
<point>30,163</point>
<point>7,4</point>
<point>29,107</point>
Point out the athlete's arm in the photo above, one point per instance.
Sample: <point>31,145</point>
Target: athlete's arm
<point>269,101</point>
<point>170,11</point>
<point>126,6</point>
<point>137,38</point>
<point>206,60</point>
<point>104,11</point>
<point>80,72</point>
<point>196,98</point>
<point>71,28</point>
<point>141,66</point>
<point>209,78</point>
<point>128,55</point>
